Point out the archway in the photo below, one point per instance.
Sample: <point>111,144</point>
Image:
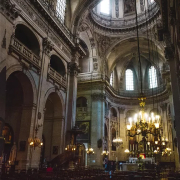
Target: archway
<point>27,37</point>
<point>53,127</point>
<point>57,64</point>
<point>18,114</point>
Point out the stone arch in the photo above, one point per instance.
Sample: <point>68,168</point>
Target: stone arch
<point>51,90</point>
<point>19,111</point>
<point>58,65</point>
<point>19,68</point>
<point>53,52</point>
<point>27,36</point>
<point>84,62</point>
<point>53,126</point>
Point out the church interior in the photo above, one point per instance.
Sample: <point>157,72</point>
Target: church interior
<point>89,89</point>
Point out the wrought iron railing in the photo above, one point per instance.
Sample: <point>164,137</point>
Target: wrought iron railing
<point>23,51</point>
<point>55,76</point>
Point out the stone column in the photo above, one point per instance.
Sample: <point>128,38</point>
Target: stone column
<point>122,134</point>
<point>164,119</point>
<point>97,118</point>
<point>27,123</point>
<point>169,54</point>
<point>72,93</point>
<point>57,134</point>
<point>37,121</point>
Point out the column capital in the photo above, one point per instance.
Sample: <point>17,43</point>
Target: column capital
<point>47,45</point>
<point>121,109</point>
<point>75,56</point>
<point>163,106</point>
<point>73,68</point>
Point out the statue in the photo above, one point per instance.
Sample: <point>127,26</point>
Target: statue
<point>13,153</point>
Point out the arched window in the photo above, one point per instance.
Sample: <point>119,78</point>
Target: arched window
<point>60,8</point>
<point>111,79</point>
<point>105,7</point>
<point>129,80</point>
<point>152,77</point>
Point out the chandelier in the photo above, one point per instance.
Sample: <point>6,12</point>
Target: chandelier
<point>117,142</point>
<point>89,151</point>
<point>145,130</point>
<point>105,153</point>
<point>35,142</point>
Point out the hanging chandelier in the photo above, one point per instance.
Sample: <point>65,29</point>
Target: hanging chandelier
<point>35,142</point>
<point>89,151</point>
<point>117,142</point>
<point>145,130</point>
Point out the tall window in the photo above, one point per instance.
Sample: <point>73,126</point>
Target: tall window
<point>60,8</point>
<point>152,77</point>
<point>129,80</point>
<point>105,7</point>
<point>111,79</point>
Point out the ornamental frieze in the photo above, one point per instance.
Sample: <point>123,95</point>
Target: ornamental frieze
<point>9,9</point>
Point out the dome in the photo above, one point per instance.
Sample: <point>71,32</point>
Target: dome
<point>120,14</point>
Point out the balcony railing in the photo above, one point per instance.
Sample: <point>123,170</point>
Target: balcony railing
<point>23,51</point>
<point>81,109</point>
<point>147,92</point>
<point>55,76</point>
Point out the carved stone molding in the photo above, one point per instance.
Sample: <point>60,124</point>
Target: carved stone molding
<point>163,106</point>
<point>169,53</point>
<point>121,110</point>
<point>9,9</point>
<point>117,8</point>
<point>73,68</point>
<point>4,41</point>
<point>98,96</point>
<point>95,64</point>
<point>48,46</point>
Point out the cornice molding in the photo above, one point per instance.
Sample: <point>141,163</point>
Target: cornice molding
<point>9,9</point>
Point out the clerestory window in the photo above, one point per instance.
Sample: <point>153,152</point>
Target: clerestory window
<point>60,8</point>
<point>111,79</point>
<point>129,80</point>
<point>105,7</point>
<point>152,77</point>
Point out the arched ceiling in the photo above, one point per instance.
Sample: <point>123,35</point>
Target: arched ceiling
<point>77,9</point>
<point>125,50</point>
